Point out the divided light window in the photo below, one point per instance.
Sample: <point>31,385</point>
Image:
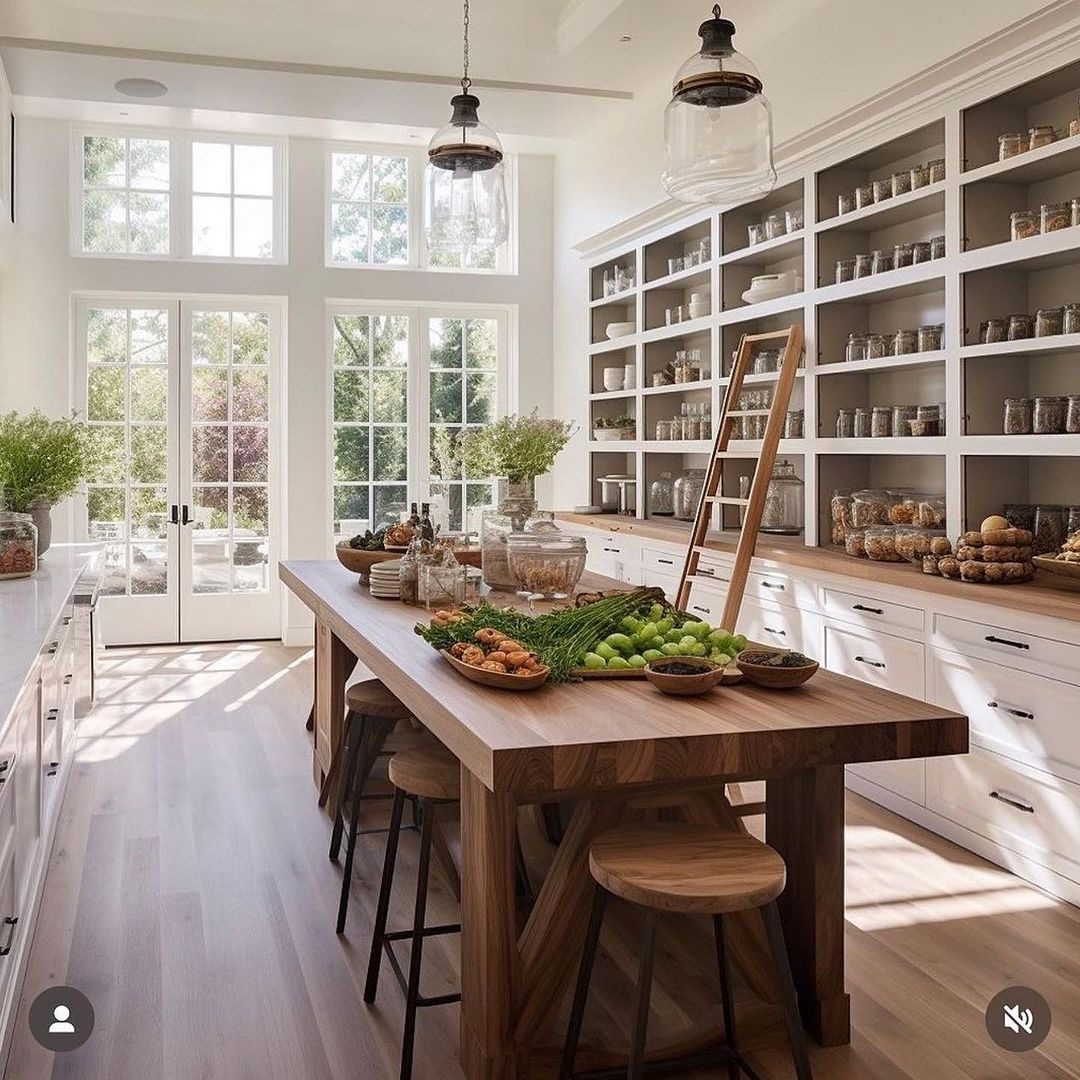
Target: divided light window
<point>125,195</point>
<point>369,209</point>
<point>232,200</point>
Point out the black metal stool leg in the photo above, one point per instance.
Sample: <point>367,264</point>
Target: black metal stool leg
<point>412,993</point>
<point>350,851</point>
<point>581,990</point>
<point>786,987</point>
<point>378,931</point>
<point>727,1003</point>
<point>351,750</point>
<point>635,1070</point>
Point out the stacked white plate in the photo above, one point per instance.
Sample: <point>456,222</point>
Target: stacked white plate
<point>385,580</point>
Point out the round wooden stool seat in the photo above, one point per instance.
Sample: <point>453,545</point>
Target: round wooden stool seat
<point>431,772</point>
<point>371,698</point>
<point>699,869</point>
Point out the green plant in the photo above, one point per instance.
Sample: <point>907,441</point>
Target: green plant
<point>41,458</point>
<point>623,423</point>
<point>517,447</point>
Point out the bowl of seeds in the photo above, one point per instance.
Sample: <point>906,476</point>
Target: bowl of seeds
<point>777,669</point>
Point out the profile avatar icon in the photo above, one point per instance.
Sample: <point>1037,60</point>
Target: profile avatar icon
<point>61,1024</point>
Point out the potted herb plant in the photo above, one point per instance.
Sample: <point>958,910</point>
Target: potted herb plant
<point>42,462</point>
<point>614,428</point>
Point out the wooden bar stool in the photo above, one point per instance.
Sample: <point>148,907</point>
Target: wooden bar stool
<point>693,870</point>
<point>373,714</point>
<point>432,775</point>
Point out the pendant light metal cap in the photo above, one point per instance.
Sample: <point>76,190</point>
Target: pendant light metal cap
<point>465,144</point>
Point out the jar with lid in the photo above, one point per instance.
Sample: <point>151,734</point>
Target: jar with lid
<point>901,414</point>
<point>845,202</point>
<point>793,220</point>
<point>1055,216</point>
<point>794,424</point>
<point>1018,416</point>
<point>930,338</point>
<point>1072,415</point>
<point>869,507</point>
<point>1049,322</point>
<point>1010,144</point>
<point>1070,319</point>
<point>901,182</point>
<point>876,346</point>
<point>864,196</point>
<point>881,422</point>
<point>547,564</point>
<point>921,251</point>
<point>881,261</point>
<point>18,545</point>
<point>937,247</point>
<point>756,233</point>
<point>785,502</point>
<point>775,226</point>
<point>1020,327</point>
<point>862,423</point>
<point>913,543</point>
<point>919,176</point>
<point>880,544</point>
<point>993,330</point>
<point>845,424</point>
<point>662,496</point>
<point>1024,223</point>
<point>882,190</point>
<point>936,168</point>
<point>926,423</point>
<point>845,270</point>
<point>687,493</point>
<point>1050,415</point>
<point>904,342</point>
<point>1049,529</point>
<point>856,347</point>
<point>902,255</point>
<point>840,515</point>
<point>863,266</point>
<point>663,430</point>
<point>1040,135</point>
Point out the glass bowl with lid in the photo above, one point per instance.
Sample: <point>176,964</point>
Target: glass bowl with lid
<point>18,545</point>
<point>546,563</point>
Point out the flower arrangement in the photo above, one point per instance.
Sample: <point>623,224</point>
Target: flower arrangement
<point>608,428</point>
<point>520,448</point>
<point>41,460</point>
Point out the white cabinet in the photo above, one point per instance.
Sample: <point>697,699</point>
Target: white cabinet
<point>869,612</point>
<point>1005,645</point>
<point>615,557</point>
<point>774,624</point>
<point>27,780</point>
<point>892,663</point>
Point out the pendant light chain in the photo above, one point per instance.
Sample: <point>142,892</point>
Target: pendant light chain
<point>466,82</point>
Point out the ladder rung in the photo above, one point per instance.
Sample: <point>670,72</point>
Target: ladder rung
<point>771,335</point>
<point>749,412</point>
<point>727,500</point>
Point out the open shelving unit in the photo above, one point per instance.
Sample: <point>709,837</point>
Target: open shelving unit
<point>983,274</point>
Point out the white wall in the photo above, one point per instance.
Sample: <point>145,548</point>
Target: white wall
<point>40,275</point>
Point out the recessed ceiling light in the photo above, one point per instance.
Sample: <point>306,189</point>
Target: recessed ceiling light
<point>626,39</point>
<point>141,88</point>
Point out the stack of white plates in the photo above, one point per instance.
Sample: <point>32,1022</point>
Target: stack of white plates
<point>384,580</point>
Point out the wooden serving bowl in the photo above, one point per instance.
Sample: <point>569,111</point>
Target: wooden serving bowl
<point>361,562</point>
<point>496,678</point>
<point>710,675</point>
<point>774,678</point>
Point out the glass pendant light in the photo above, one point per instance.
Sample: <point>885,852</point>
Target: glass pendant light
<point>718,124</point>
<point>465,183</point>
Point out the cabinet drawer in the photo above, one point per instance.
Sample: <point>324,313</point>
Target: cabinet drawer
<point>7,805</point>
<point>663,562</point>
<point>780,589</point>
<point>10,925</point>
<point>1013,713</point>
<point>1022,809</point>
<point>706,605</point>
<point>784,627</point>
<point>654,580</point>
<point>615,547</point>
<point>1010,647</point>
<point>866,611</point>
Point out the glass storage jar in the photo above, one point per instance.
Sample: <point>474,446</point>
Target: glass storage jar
<point>794,424</point>
<point>876,346</point>
<point>845,202</point>
<point>1074,212</point>
<point>1018,416</point>
<point>930,511</point>
<point>1072,415</point>
<point>547,564</point>
<point>1072,519</point>
<point>793,220</point>
<point>785,502</point>
<point>880,544</point>
<point>921,251</point>
<point>1050,415</point>
<point>845,424</point>
<point>901,182</point>
<point>937,247</point>
<point>663,430</point>
<point>516,512</point>
<point>863,266</point>
<point>1040,135</point>
<point>845,270</point>
<point>1049,322</point>
<point>904,342</point>
<point>1049,529</point>
<point>864,196</point>
<point>881,261</point>
<point>1020,327</point>
<point>925,424</point>
<point>1020,516</point>
<point>902,255</point>
<point>1070,319</point>
<point>993,330</point>
<point>856,348</point>
<point>687,493</point>
<point>869,507</point>
<point>1055,216</point>
<point>937,170</point>
<point>1010,144</point>
<point>840,515</point>
<point>882,190</point>
<point>18,545</point>
<point>855,543</point>
<point>930,338</point>
<point>775,225</point>
<point>881,422</point>
<point>662,496</point>
<point>862,423</point>
<point>901,414</point>
<point>756,233</point>
<point>913,543</point>
<point>919,176</point>
<point>1024,223</point>
<point>441,585</point>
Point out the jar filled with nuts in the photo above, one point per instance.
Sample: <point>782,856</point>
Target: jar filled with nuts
<point>1040,135</point>
<point>993,330</point>
<point>864,196</point>
<point>882,190</point>
<point>1018,416</point>
<point>1010,144</point>
<point>1049,322</point>
<point>937,247</point>
<point>930,337</point>
<point>18,545</point>
<point>862,423</point>
<point>876,346</point>
<point>1049,529</point>
<point>902,255</point>
<point>1074,212</point>
<point>904,342</point>
<point>1020,327</point>
<point>881,544</point>
<point>1024,223</point>
<point>863,266</point>
<point>1020,516</point>
<point>921,251</point>
<point>845,202</point>
<point>880,261</point>
<point>920,176</point>
<point>901,182</point>
<point>1072,415</point>
<point>840,515</point>
<point>1050,415</point>
<point>1054,216</point>
<point>845,424</point>
<point>901,414</point>
<point>913,543</point>
<point>855,543</point>
<point>845,270</point>
<point>856,347</point>
<point>869,507</point>
<point>936,168</point>
<point>881,422</point>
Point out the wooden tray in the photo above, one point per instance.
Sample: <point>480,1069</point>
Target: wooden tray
<point>496,678</point>
<point>603,673</point>
<point>1057,566</point>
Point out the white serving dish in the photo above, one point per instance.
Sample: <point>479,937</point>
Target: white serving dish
<point>620,329</point>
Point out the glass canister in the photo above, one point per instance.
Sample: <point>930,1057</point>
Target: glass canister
<point>881,261</point>
<point>937,247</point>
<point>793,424</point>
<point>1020,516</point>
<point>921,251</point>
<point>856,347</point>
<point>1018,416</point>
<point>864,265</point>
<point>901,182</point>
<point>840,515</point>
<point>441,586</point>
<point>1072,415</point>
<point>775,225</point>
<point>1072,519</point>
<point>855,543</point>
<point>845,202</point>
<point>993,330</point>
<point>18,545</point>
<point>920,176</point>
<point>793,220</point>
<point>845,270</point>
<point>864,196</point>
<point>881,544</point>
<point>1024,223</point>
<point>546,564</point>
<point>1040,135</point>
<point>514,513</point>
<point>1010,144</point>
<point>904,342</point>
<point>862,423</point>
<point>1055,216</point>
<point>936,168</point>
<point>901,414</point>
<point>1070,319</point>
<point>882,190</point>
<point>662,496</point>
<point>845,424</point>
<point>1020,327</point>
<point>1049,322</point>
<point>930,337</point>
<point>881,422</point>
<point>785,502</point>
<point>876,346</point>
<point>902,255</point>
<point>1050,415</point>
<point>1049,529</point>
<point>1074,212</point>
<point>687,493</point>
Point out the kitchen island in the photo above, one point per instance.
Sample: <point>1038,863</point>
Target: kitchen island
<point>610,745</point>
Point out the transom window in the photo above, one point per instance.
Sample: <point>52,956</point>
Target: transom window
<point>369,209</point>
<point>232,200</point>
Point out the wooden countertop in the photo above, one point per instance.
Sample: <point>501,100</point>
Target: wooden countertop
<point>1047,595</point>
<point>609,733</point>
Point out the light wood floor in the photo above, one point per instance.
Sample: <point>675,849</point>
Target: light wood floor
<point>190,896</point>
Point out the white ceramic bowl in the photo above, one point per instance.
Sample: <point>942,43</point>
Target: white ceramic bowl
<point>614,377</point>
<point>620,329</point>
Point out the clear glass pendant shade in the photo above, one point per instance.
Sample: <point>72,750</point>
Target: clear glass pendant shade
<point>465,184</point>
<point>718,125</point>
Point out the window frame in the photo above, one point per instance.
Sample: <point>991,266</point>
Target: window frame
<point>418,423</point>
<point>181,238</point>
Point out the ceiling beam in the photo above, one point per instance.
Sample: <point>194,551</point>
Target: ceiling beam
<point>579,19</point>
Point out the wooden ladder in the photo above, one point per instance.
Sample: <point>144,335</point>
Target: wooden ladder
<point>713,495</point>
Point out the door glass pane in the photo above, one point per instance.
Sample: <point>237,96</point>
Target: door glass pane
<point>391,453</point>
<point>210,567</point>
<point>446,397</point>
<point>250,395</point>
<point>250,517</point>
<point>482,343</point>
<point>209,394</point>
<point>251,448</point>
<point>480,398</point>
<point>445,343</point>
<point>149,514</point>
<point>250,337</point>
<point>210,337</point>
<point>149,454</point>
<point>149,337</point>
<point>210,510</point>
<point>107,518</point>
<point>106,336</point>
<point>149,569</point>
<point>149,393</point>
<point>389,400</point>
<point>106,393</point>
<point>210,454</point>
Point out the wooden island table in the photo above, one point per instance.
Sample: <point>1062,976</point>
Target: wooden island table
<point>617,747</point>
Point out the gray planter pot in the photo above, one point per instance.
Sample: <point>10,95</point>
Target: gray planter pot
<point>41,512</point>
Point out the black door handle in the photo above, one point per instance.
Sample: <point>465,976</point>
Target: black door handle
<point>184,518</point>
<point>174,514</point>
<point>10,922</point>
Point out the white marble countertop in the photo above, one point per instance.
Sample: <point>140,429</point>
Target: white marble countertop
<point>28,608</point>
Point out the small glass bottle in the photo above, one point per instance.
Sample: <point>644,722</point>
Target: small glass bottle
<point>1018,416</point>
<point>862,423</point>
<point>845,424</point>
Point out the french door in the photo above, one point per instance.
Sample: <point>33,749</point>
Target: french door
<point>182,400</point>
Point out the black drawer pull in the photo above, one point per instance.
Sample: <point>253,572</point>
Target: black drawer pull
<point>10,922</point>
<point>703,572</point>
<point>1027,808</point>
<point>772,585</point>
<point>698,607</point>
<point>1023,714</point>
<point>53,646</point>
<point>770,630</point>
<point>1005,641</point>
<point>871,610</point>
<point>666,562</point>
<point>613,551</point>
<point>872,663</point>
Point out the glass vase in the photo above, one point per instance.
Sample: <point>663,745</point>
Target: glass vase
<point>516,505</point>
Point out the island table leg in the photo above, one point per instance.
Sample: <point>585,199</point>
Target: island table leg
<point>490,964</point>
<point>804,822</point>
